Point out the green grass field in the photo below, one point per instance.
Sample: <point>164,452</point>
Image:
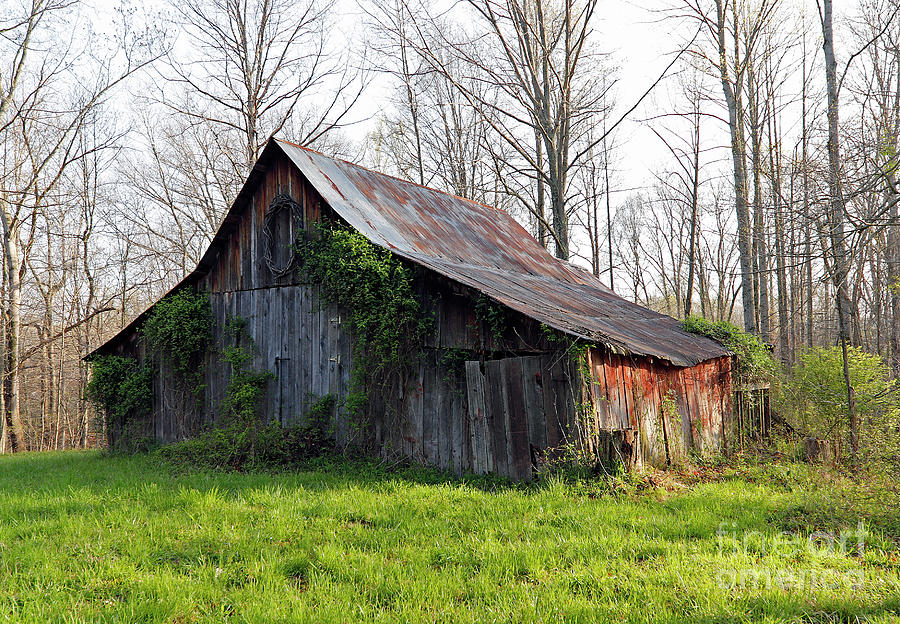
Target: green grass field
<point>85,538</point>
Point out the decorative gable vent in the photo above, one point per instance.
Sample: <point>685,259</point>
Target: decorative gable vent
<point>282,225</point>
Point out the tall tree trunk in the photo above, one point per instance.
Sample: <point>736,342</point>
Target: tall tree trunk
<point>609,225</point>
<point>839,264</point>
<point>893,277</point>
<point>760,253</point>
<point>540,208</point>
<point>784,324</point>
<point>734,102</point>
<point>12,372</point>
<point>808,230</point>
<point>695,189</point>
<point>411,102</point>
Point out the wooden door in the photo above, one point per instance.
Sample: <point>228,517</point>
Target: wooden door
<point>507,418</point>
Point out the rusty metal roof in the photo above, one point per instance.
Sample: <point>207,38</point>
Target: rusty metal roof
<point>486,249</point>
<point>476,245</point>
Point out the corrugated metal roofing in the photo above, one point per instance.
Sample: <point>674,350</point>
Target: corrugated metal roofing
<point>480,247</point>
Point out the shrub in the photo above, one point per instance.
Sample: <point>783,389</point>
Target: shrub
<point>222,448</point>
<point>120,387</point>
<point>372,283</point>
<point>236,446</point>
<point>818,400</point>
<point>177,332</point>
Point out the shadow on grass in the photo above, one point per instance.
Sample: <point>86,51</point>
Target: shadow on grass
<point>695,513</point>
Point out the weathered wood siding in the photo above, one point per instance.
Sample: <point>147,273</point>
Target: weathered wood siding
<point>301,342</point>
<point>520,409</point>
<point>240,264</point>
<point>671,409</point>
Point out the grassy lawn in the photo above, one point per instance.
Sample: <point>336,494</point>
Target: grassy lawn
<point>84,537</point>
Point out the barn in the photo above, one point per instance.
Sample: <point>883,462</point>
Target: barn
<point>573,366</point>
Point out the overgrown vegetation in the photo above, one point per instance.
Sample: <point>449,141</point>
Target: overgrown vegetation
<point>242,444</point>
<point>121,388</point>
<point>375,288</point>
<point>247,386</point>
<point>236,446</point>
<point>815,401</point>
<point>87,538</point>
<point>811,397</point>
<point>179,332</point>
<point>243,396</point>
<point>495,316</point>
<point>454,363</point>
<point>754,362</point>
<point>571,456</point>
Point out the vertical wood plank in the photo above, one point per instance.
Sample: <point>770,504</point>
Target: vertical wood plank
<point>478,433</point>
<point>431,387</point>
<point>627,392</point>
<point>459,432</point>
<point>442,432</point>
<point>333,326</point>
<point>617,412</point>
<point>494,405</point>
<point>534,403</point>
<point>346,371</point>
<point>555,432</point>
<point>684,411</point>
<point>415,413</point>
<point>601,393</point>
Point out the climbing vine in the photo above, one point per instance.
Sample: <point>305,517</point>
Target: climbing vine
<point>454,363</point>
<point>376,288</point>
<point>492,314</point>
<point>247,386</point>
<point>179,332</point>
<point>121,387</point>
<point>670,424</point>
<point>576,350</point>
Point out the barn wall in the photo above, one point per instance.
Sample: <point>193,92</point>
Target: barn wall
<point>521,410</point>
<point>240,263</point>
<point>301,342</point>
<point>525,410</point>
<point>306,346</point>
<point>672,410</point>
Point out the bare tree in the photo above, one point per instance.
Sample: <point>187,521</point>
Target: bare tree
<point>733,28</point>
<point>838,265</point>
<point>432,135</point>
<point>50,94</point>
<point>253,65</point>
<point>538,54</point>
